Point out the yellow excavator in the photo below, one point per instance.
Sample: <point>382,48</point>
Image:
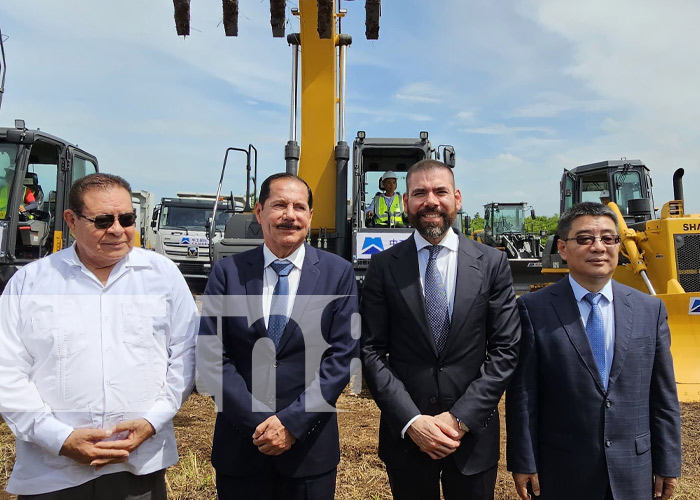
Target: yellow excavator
<point>659,255</point>
<point>322,156</point>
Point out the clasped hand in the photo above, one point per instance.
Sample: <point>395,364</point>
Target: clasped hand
<point>88,446</point>
<point>272,438</point>
<point>438,436</point>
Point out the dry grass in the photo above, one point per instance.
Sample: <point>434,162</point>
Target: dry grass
<point>361,475</point>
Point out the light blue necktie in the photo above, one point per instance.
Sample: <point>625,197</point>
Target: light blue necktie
<point>280,298</point>
<point>595,329</point>
<point>436,300</point>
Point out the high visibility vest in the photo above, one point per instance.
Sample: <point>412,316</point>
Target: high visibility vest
<point>3,201</point>
<point>382,211</point>
<point>4,196</point>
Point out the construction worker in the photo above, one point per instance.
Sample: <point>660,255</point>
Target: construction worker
<point>387,208</point>
<point>28,199</point>
<point>605,196</point>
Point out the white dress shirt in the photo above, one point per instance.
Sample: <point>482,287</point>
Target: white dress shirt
<point>608,311</point>
<point>447,265</point>
<point>76,354</point>
<point>446,262</point>
<point>270,278</point>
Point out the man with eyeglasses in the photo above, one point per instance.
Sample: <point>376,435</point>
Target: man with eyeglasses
<point>592,412</point>
<point>96,357</point>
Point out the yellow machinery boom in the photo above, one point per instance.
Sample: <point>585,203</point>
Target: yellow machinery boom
<point>654,268</point>
<point>319,104</point>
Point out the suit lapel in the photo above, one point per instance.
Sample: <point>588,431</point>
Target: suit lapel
<point>406,274</point>
<point>307,285</point>
<point>467,288</point>
<point>254,289</point>
<point>623,329</point>
<point>564,305</point>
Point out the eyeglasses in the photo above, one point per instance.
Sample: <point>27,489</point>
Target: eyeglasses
<point>105,221</point>
<point>588,239</point>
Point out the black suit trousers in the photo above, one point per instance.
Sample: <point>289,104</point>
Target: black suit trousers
<point>423,482</point>
<point>269,484</point>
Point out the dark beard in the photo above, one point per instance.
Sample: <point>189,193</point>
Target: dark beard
<point>431,231</point>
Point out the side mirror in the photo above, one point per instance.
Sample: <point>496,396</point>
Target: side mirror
<point>449,156</point>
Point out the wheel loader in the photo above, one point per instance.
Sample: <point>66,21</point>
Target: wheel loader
<point>659,253</point>
<point>504,228</point>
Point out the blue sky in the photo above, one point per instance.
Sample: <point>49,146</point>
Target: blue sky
<point>521,88</point>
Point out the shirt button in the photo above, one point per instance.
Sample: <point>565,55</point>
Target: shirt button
<point>608,443</point>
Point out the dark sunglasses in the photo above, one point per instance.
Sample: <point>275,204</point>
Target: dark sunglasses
<point>105,221</point>
<point>588,239</point>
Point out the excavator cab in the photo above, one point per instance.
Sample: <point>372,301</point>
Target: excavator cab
<point>372,157</point>
<point>37,171</point>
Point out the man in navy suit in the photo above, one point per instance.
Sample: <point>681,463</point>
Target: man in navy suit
<point>440,336</point>
<point>285,311</point>
<point>592,412</point>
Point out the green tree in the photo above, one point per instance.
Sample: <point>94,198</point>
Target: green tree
<point>542,223</point>
<point>477,223</point>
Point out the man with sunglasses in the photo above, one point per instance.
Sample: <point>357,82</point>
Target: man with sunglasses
<point>96,357</point>
<point>592,411</point>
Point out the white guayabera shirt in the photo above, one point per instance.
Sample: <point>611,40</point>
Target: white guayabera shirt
<point>77,354</point>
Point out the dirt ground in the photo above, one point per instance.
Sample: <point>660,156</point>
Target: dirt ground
<point>361,474</point>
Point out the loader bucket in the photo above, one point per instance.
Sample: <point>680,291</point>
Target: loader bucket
<point>527,272</point>
<point>684,322</point>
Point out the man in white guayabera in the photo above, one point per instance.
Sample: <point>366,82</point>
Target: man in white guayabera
<point>96,356</point>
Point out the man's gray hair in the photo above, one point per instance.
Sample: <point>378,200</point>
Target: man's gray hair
<point>581,209</point>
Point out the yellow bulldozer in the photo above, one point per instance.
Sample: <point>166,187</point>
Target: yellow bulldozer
<point>660,253</point>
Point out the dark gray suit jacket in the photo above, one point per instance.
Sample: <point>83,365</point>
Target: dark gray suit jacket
<point>561,422</point>
<point>403,370</point>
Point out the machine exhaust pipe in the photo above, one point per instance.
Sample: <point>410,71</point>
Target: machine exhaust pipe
<point>678,184</point>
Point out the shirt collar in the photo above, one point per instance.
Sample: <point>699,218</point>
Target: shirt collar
<point>296,258</point>
<point>580,292</point>
<point>132,259</point>
<point>449,241</point>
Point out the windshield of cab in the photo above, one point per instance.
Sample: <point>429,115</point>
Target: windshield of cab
<point>507,219</point>
<point>191,218</point>
<point>8,153</point>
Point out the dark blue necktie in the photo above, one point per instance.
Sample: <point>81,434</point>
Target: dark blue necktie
<point>280,300</point>
<point>436,304</point>
<point>595,329</point>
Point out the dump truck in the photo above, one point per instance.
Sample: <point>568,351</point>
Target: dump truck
<point>178,230</point>
<point>659,253</point>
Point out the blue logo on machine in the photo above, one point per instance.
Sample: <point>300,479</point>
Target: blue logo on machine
<point>185,240</point>
<point>372,245</point>
<point>694,305</point>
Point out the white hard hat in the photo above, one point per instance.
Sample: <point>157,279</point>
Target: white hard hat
<point>605,193</point>
<point>389,174</point>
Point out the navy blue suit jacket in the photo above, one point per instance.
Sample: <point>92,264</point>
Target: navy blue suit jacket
<point>563,425</point>
<point>403,369</point>
<point>283,380</point>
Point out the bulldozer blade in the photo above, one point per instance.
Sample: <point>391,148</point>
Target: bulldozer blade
<point>684,323</point>
<point>527,272</point>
